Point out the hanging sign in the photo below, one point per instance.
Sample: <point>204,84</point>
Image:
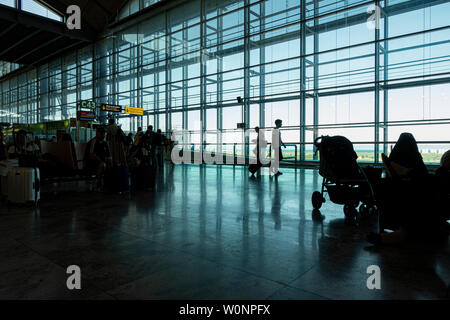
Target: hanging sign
<point>134,111</point>
<point>86,116</point>
<point>87,104</point>
<point>111,108</point>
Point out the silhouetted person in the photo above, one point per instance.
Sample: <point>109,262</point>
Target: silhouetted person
<point>68,138</point>
<point>115,138</point>
<point>160,147</point>
<point>97,155</point>
<point>277,142</point>
<point>405,159</point>
<point>33,148</point>
<point>412,201</point>
<point>129,142</point>
<point>19,147</point>
<point>151,142</point>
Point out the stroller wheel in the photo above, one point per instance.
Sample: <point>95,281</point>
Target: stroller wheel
<point>317,200</point>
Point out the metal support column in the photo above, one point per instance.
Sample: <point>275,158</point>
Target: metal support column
<point>316,78</point>
<point>262,68</point>
<point>203,60</point>
<point>385,78</point>
<point>302,78</point>
<point>377,82</point>
<point>246,105</point>
<point>219,81</point>
<point>168,77</point>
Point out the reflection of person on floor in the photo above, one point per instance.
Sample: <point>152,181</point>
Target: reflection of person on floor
<point>276,206</point>
<point>276,147</point>
<point>412,201</point>
<point>97,155</point>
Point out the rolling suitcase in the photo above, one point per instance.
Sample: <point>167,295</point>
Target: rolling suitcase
<point>23,185</point>
<point>5,166</point>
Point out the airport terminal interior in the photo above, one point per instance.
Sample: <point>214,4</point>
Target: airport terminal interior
<point>224,149</point>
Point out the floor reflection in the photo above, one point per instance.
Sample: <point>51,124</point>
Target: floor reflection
<point>208,232</point>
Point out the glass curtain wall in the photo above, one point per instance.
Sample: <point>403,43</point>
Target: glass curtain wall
<point>368,70</point>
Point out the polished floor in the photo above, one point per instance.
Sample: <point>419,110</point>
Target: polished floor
<point>207,232</point>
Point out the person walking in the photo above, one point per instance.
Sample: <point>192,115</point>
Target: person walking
<point>277,142</point>
<point>261,145</point>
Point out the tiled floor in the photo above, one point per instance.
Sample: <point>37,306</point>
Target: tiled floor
<point>207,232</point>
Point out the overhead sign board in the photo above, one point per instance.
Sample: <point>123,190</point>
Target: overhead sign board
<point>111,108</point>
<point>87,104</point>
<point>86,116</point>
<point>54,125</point>
<point>134,111</point>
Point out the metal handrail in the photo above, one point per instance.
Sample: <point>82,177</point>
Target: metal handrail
<point>291,144</point>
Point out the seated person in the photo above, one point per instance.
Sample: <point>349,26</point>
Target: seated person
<point>33,148</point>
<point>68,138</point>
<point>411,200</point>
<point>444,169</point>
<point>443,177</point>
<point>19,147</point>
<point>97,155</point>
<point>405,159</point>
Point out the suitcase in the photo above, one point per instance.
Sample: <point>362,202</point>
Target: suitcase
<point>5,166</point>
<point>117,179</point>
<point>254,167</point>
<point>23,185</point>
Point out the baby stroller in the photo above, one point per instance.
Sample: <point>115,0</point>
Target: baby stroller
<point>344,180</point>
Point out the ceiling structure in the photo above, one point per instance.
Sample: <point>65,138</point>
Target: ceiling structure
<point>96,14</point>
<point>29,39</point>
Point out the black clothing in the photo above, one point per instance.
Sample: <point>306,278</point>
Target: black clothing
<point>101,151</point>
<point>418,202</point>
<point>406,153</point>
<point>99,148</point>
<point>2,151</point>
<point>151,138</point>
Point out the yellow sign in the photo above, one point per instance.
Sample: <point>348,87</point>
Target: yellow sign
<point>134,110</point>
